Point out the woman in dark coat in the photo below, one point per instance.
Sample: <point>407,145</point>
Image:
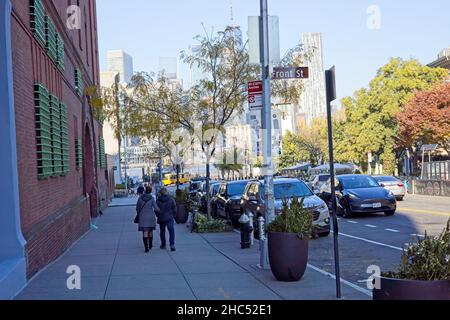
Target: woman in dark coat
<point>146,207</point>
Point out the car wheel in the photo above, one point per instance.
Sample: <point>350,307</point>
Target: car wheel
<point>390,213</point>
<point>400,199</point>
<point>324,234</point>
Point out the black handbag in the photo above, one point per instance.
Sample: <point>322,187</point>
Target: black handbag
<point>136,220</point>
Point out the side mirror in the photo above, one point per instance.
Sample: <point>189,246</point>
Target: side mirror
<point>382,185</point>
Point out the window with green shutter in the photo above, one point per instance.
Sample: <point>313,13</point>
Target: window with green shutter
<point>79,86</point>
<point>55,121</point>
<point>61,56</point>
<point>79,155</point>
<point>64,139</point>
<point>37,18</point>
<point>43,131</point>
<point>101,155</point>
<point>50,38</point>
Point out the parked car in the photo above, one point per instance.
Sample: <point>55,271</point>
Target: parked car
<point>228,201</point>
<point>359,194</point>
<point>392,184</point>
<point>318,181</point>
<point>194,187</point>
<point>286,188</point>
<point>201,194</point>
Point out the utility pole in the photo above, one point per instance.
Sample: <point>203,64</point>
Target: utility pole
<point>331,96</point>
<point>266,116</point>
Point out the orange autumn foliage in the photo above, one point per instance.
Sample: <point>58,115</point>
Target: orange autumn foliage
<point>426,118</point>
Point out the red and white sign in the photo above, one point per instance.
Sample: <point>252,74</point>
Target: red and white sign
<point>255,93</point>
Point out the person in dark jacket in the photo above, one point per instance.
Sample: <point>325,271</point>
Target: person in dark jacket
<point>146,208</point>
<point>166,218</point>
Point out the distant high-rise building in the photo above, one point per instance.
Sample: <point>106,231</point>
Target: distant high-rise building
<point>121,62</point>
<point>196,73</point>
<point>169,65</point>
<point>313,100</point>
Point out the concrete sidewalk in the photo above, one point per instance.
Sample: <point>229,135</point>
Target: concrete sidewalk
<point>205,267</point>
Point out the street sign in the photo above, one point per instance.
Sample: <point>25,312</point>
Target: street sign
<point>290,73</point>
<point>255,92</point>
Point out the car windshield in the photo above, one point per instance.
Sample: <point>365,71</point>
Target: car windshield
<point>324,178</point>
<point>358,182</point>
<point>236,189</point>
<point>194,185</point>
<point>386,179</point>
<point>291,189</point>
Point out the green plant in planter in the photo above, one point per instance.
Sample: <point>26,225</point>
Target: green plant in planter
<point>295,218</point>
<point>183,197</point>
<point>204,225</point>
<point>427,260</point>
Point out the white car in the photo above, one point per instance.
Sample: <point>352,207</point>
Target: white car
<point>396,186</point>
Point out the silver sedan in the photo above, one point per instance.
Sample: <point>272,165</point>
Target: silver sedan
<point>396,186</point>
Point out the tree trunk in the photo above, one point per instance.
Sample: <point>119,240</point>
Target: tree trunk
<point>208,175</point>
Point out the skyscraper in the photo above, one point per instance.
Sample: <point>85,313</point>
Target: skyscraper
<point>170,67</point>
<point>121,62</point>
<point>313,99</point>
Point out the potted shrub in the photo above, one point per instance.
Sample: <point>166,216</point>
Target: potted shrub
<point>423,274</point>
<point>288,237</point>
<point>183,206</point>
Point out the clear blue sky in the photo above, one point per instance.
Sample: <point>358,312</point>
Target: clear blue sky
<point>148,29</point>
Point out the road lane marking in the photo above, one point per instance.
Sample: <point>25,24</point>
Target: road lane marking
<point>348,283</point>
<point>352,222</point>
<point>370,226</point>
<point>392,230</point>
<point>418,235</point>
<point>438,213</point>
<point>370,241</point>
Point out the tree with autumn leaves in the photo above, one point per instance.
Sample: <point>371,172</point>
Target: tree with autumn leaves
<point>371,114</point>
<point>426,119</point>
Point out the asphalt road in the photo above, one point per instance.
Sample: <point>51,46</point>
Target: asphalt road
<point>379,240</point>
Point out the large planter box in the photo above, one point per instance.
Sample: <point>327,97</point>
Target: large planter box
<point>288,256</point>
<point>120,194</point>
<point>182,214</point>
<point>397,289</point>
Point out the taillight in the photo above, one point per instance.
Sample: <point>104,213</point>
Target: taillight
<point>401,185</point>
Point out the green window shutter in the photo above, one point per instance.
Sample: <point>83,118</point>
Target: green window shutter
<point>37,18</point>
<point>55,121</point>
<point>79,86</point>
<point>79,154</point>
<point>50,38</point>
<point>43,131</point>
<point>61,56</point>
<point>101,153</point>
<point>64,139</point>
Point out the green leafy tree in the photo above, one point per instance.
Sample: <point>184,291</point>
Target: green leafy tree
<point>371,113</point>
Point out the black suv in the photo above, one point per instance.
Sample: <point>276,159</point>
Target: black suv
<point>286,189</point>
<point>201,194</point>
<point>228,201</point>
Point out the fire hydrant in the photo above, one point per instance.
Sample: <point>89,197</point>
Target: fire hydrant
<point>246,231</point>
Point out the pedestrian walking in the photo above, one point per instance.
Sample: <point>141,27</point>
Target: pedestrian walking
<point>166,218</point>
<point>147,208</point>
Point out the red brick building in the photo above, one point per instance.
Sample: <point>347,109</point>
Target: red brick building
<point>62,179</point>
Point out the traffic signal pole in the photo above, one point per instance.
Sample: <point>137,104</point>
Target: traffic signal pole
<point>266,116</point>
